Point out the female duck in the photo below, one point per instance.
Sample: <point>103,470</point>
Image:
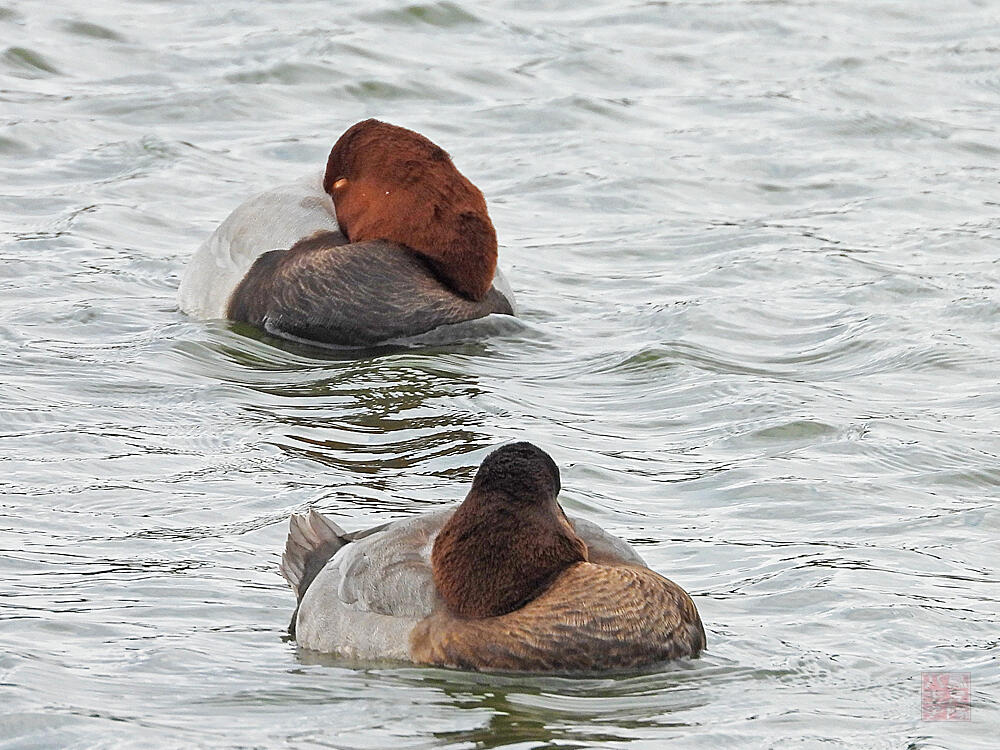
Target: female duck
<point>504,582</point>
<point>394,242</point>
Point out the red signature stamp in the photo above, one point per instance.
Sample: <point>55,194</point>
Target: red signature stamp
<point>946,696</point>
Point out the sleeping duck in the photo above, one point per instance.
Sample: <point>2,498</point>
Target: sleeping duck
<point>505,581</point>
<point>392,241</point>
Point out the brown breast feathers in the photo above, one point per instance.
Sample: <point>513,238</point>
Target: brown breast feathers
<point>592,618</point>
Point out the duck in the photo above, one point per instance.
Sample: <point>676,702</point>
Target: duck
<point>505,582</point>
<point>389,241</point>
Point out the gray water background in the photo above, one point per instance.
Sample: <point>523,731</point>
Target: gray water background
<point>755,246</point>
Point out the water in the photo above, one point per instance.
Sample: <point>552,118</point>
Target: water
<point>755,246</point>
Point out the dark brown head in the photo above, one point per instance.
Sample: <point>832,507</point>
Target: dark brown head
<point>509,539</point>
<point>389,183</point>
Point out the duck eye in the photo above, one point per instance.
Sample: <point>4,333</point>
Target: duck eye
<point>340,184</point>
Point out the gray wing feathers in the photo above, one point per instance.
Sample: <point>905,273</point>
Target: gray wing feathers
<point>312,540</point>
<point>390,574</point>
<point>367,598</point>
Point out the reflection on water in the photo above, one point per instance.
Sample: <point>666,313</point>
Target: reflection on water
<point>754,249</point>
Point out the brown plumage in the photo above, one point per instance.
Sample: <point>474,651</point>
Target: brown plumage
<point>509,539</point>
<point>519,594</point>
<point>390,183</point>
<point>592,618</point>
<point>416,250</point>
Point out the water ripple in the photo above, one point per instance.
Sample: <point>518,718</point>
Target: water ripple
<point>754,246</point>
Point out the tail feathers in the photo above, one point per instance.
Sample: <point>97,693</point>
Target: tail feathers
<point>312,540</point>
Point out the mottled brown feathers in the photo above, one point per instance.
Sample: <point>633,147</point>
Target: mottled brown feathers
<point>518,592</point>
<point>393,184</point>
<point>592,618</point>
<point>508,540</point>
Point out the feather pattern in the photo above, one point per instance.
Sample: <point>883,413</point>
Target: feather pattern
<point>592,618</point>
<point>376,599</point>
<point>357,294</point>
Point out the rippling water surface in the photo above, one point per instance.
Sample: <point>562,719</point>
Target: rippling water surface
<point>755,246</point>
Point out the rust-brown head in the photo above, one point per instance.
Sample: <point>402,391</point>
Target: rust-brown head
<point>509,539</point>
<point>390,183</point>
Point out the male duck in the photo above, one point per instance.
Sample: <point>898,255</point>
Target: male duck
<point>504,582</point>
<point>393,242</point>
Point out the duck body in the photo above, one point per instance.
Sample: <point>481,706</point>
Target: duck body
<point>384,594</point>
<point>273,220</point>
<point>326,290</point>
<point>283,262</point>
